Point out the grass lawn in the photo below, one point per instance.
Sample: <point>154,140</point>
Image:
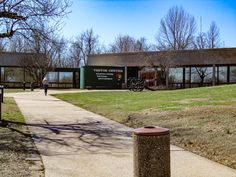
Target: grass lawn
<point>15,90</point>
<point>11,112</point>
<point>202,120</point>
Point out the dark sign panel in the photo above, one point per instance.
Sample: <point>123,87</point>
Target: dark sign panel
<point>104,77</point>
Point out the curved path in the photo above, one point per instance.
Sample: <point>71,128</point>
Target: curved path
<point>74,142</point>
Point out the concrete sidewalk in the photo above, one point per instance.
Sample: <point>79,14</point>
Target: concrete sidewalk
<point>76,142</point>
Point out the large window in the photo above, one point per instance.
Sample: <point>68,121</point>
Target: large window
<point>201,75</point>
<point>221,74</point>
<point>13,74</point>
<point>65,77</point>
<point>60,79</point>
<point>52,76</point>
<point>53,79</point>
<point>32,75</point>
<point>232,74</point>
<point>176,75</point>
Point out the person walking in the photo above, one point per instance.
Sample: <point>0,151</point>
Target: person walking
<point>45,85</point>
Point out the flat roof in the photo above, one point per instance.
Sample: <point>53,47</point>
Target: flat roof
<point>176,58</point>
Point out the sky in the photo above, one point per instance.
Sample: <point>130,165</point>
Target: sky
<point>141,18</point>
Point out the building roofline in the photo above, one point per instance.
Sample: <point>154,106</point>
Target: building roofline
<point>20,53</point>
<point>176,51</point>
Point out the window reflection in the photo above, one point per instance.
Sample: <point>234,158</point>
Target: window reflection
<point>201,75</point>
<point>176,75</point>
<point>221,73</point>
<point>233,74</point>
<point>13,74</point>
<point>65,77</point>
<point>52,76</point>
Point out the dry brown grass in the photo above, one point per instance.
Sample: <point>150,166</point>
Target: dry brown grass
<point>208,131</point>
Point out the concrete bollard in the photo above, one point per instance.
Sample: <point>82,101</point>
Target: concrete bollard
<point>151,152</point>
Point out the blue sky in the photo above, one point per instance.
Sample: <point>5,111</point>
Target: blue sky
<point>141,18</point>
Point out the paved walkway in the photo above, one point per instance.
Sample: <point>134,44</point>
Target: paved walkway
<point>74,142</point>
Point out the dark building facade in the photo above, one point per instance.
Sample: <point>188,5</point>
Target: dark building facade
<point>16,69</point>
<point>177,69</point>
<point>183,69</point>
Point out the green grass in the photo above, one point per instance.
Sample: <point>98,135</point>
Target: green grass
<point>124,103</point>
<point>11,111</point>
<point>201,120</point>
<point>15,90</point>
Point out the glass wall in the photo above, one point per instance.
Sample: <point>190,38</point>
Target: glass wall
<point>66,79</point>
<point>201,76</point>
<point>53,79</point>
<point>32,75</point>
<point>60,79</point>
<point>176,77</point>
<point>221,74</point>
<point>15,76</point>
<point>232,74</point>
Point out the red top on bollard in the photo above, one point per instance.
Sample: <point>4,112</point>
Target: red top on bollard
<point>151,131</point>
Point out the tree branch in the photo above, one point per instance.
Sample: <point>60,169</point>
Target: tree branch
<point>11,15</point>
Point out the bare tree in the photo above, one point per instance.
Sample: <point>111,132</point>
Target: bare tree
<point>36,66</point>
<point>17,44</point>
<point>22,16</point>
<point>141,45</point>
<point>202,72</point>
<point>58,53</point>
<point>126,43</point>
<point>2,45</point>
<point>85,44</point>
<point>211,39</point>
<point>213,36</point>
<point>123,44</point>
<point>201,41</point>
<point>47,52</point>
<point>177,30</point>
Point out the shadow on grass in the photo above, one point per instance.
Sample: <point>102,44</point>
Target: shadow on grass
<point>13,140</point>
<point>94,137</point>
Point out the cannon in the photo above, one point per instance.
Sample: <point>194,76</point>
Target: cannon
<point>135,84</point>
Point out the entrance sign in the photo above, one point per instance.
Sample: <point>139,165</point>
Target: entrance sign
<point>103,77</point>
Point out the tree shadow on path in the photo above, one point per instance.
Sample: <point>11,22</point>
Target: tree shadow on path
<point>91,137</point>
